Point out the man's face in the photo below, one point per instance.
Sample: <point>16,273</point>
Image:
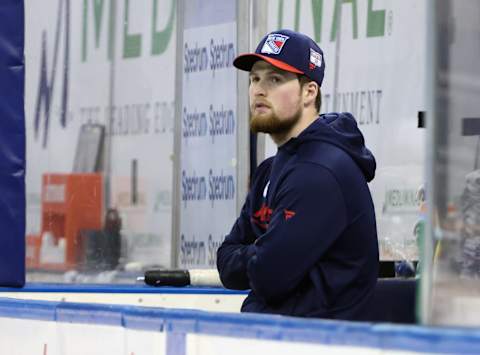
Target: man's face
<point>275,100</point>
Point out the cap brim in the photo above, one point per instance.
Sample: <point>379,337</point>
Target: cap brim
<point>246,62</point>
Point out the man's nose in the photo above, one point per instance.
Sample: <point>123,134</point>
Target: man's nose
<point>258,89</point>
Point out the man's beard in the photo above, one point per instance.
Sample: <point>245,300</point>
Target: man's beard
<point>271,124</point>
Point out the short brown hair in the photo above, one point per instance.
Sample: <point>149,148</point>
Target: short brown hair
<point>305,80</point>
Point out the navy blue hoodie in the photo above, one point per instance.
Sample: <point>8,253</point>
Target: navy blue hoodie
<point>306,240</point>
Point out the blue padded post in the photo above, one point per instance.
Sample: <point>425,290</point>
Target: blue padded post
<point>12,144</point>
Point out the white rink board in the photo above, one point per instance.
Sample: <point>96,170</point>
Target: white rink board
<point>215,345</point>
<point>51,328</point>
<point>145,342</point>
<point>27,336</point>
<point>24,336</point>
<point>91,339</point>
<point>213,303</point>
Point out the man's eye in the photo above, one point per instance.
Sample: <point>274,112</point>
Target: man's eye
<point>253,79</point>
<point>275,79</point>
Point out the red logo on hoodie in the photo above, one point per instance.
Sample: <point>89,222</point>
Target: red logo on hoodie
<point>288,214</point>
<point>262,216</point>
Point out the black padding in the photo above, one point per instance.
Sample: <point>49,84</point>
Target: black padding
<point>470,126</point>
<point>394,301</point>
<point>421,119</point>
<point>175,278</point>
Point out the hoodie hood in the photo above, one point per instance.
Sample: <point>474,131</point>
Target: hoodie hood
<point>341,130</point>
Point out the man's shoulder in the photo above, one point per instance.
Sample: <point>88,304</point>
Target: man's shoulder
<point>264,168</point>
<point>262,172</point>
<point>326,155</point>
<point>267,163</point>
<point>304,175</point>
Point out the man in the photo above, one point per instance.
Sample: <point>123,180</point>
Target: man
<point>306,241</point>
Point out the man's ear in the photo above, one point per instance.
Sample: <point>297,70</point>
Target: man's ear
<point>310,91</point>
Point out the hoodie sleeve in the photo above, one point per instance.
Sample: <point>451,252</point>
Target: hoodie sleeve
<point>235,251</point>
<point>309,214</point>
<point>237,248</point>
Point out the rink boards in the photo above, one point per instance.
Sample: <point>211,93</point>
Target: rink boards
<point>50,328</point>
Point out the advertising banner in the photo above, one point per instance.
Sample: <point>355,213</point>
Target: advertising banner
<point>208,135</point>
<point>110,63</point>
<point>375,68</point>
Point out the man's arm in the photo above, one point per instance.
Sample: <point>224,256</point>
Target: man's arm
<point>237,248</point>
<point>235,251</point>
<point>309,216</point>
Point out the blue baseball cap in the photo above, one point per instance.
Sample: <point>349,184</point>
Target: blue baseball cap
<point>287,50</point>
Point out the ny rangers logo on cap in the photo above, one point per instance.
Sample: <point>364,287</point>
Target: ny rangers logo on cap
<point>274,43</point>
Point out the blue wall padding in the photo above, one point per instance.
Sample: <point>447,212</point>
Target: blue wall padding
<point>12,144</point>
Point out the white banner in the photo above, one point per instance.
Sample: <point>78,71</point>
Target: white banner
<point>208,139</point>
